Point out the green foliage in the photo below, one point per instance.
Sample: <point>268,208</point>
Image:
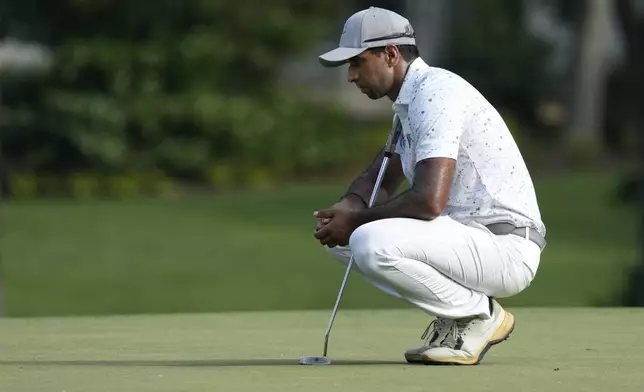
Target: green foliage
<point>180,87</point>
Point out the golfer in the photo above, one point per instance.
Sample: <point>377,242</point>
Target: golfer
<point>468,229</point>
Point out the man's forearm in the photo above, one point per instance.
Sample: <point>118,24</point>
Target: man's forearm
<point>409,204</point>
<point>362,186</point>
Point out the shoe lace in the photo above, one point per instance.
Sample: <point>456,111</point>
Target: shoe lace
<point>435,328</point>
<point>458,331</point>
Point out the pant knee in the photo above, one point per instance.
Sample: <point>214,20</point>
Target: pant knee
<point>372,249</point>
<point>341,254</point>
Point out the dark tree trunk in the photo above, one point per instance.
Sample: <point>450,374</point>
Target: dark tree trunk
<point>633,27</point>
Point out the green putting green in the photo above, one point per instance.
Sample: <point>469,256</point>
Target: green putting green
<point>562,349</point>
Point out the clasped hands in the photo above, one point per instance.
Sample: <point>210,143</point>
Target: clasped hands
<point>336,224</point>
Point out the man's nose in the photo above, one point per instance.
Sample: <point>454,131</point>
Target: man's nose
<point>352,75</point>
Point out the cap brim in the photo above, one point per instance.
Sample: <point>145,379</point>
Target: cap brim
<point>339,56</point>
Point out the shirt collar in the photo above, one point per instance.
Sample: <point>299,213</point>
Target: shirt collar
<point>408,87</point>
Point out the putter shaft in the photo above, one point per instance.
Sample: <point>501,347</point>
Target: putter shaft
<point>390,146</point>
<point>335,308</point>
<point>372,200</point>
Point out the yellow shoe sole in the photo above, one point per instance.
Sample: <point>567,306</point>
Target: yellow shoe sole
<point>502,334</point>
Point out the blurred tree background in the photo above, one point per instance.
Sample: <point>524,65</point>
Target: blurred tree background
<point>187,90</point>
<point>192,90</point>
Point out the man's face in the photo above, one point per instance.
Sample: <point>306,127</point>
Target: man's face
<point>372,73</point>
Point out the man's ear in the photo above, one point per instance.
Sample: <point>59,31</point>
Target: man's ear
<point>393,55</point>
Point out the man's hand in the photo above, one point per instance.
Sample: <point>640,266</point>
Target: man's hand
<point>321,222</point>
<point>335,226</point>
<point>358,194</point>
<point>349,202</point>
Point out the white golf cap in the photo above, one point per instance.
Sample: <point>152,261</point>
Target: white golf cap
<point>370,28</point>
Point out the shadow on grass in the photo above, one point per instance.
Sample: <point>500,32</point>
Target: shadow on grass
<point>195,363</point>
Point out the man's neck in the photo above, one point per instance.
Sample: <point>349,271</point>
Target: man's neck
<point>399,78</point>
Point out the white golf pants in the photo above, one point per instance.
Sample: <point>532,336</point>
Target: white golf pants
<point>445,268</point>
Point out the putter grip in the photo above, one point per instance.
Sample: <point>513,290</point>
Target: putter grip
<point>392,141</point>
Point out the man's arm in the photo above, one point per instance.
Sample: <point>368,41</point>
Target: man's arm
<point>438,115</point>
<point>437,119</point>
<point>361,188</point>
<point>426,198</point>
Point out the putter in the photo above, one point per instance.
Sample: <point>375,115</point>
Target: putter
<point>389,151</point>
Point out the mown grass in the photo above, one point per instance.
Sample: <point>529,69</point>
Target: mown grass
<point>254,250</point>
<point>561,349</point>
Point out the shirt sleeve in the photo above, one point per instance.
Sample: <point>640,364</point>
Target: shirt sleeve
<point>437,117</point>
<point>398,150</point>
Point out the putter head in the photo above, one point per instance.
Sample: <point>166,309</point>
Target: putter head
<point>319,360</point>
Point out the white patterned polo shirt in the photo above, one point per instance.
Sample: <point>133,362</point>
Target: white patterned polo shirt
<point>444,116</point>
